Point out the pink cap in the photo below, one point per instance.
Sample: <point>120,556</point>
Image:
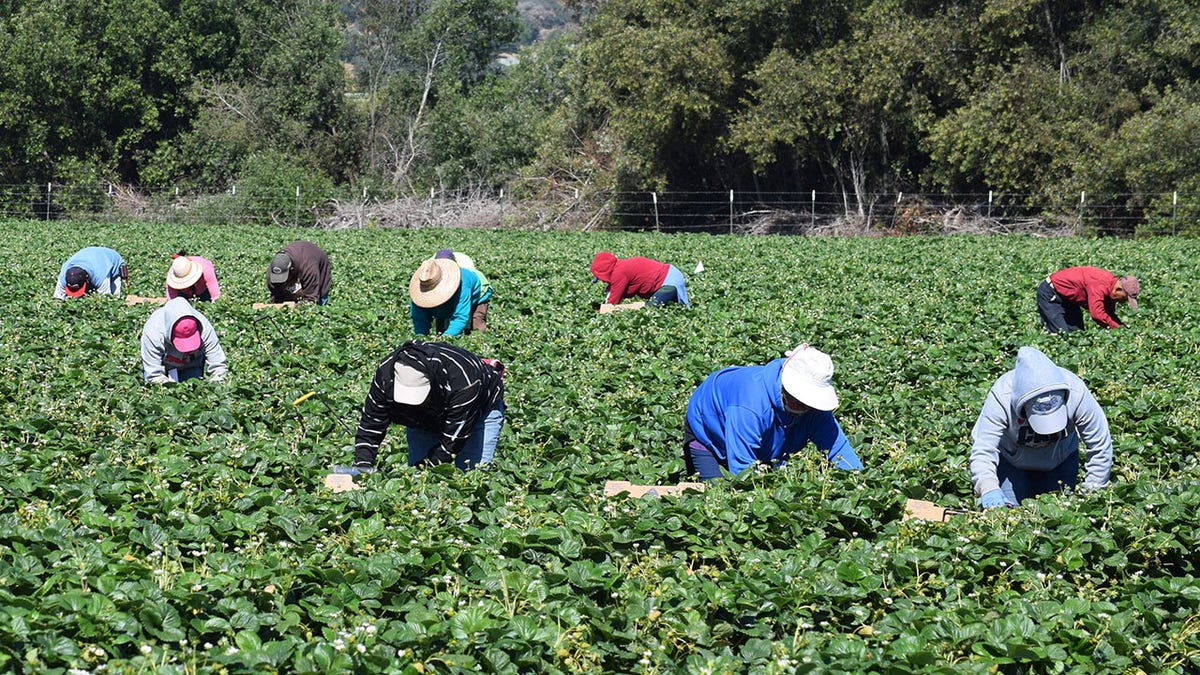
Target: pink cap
<point>186,334</point>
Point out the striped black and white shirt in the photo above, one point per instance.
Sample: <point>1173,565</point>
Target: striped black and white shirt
<point>463,389</point>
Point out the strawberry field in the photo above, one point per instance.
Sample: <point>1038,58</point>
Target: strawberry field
<point>186,529</point>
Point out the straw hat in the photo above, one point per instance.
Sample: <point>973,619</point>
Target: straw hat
<point>434,282</point>
<point>184,273</point>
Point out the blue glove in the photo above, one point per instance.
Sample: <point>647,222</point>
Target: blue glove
<point>994,498</point>
<point>358,469</point>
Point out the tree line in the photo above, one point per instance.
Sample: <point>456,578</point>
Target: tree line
<point>1046,98</point>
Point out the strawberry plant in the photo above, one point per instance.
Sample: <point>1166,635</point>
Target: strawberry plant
<point>185,528</point>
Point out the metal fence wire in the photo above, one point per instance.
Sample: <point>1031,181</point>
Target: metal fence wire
<point>732,212</point>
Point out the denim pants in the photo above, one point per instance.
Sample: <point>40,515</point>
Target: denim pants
<point>674,289</point>
<point>697,458</point>
<point>1058,315</point>
<point>1021,484</point>
<point>184,374</point>
<point>480,446</point>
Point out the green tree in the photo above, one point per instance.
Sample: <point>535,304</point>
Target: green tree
<point>855,106</point>
<point>283,92</point>
<point>415,56</point>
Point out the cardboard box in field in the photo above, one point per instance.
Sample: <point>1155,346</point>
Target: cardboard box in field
<point>340,482</point>
<point>609,308</point>
<point>613,488</point>
<point>922,510</point>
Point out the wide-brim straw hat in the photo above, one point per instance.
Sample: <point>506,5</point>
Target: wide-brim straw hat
<point>434,282</point>
<point>184,273</point>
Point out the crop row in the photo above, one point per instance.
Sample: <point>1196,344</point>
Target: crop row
<point>184,528</point>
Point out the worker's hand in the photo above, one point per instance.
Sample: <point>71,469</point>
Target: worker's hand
<point>1091,487</point>
<point>993,499</point>
<point>357,469</point>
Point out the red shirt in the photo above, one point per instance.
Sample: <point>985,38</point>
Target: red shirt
<point>634,276</point>
<point>1091,287</point>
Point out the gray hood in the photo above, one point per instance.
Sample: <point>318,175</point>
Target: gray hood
<point>1035,375</point>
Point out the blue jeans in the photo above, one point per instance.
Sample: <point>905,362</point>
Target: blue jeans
<point>1022,484</point>
<point>480,447</point>
<point>183,374</point>
<point>698,459</point>
<point>674,289</point>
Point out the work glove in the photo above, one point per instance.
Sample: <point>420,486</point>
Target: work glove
<point>357,469</point>
<point>496,364</point>
<point>1091,487</point>
<point>994,498</point>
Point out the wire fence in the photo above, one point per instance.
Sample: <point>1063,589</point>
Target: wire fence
<point>732,212</point>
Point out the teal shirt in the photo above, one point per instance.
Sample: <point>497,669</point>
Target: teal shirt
<point>457,310</point>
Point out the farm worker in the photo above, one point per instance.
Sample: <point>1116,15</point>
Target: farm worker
<point>178,342</point>
<point>443,292</point>
<point>642,277</point>
<point>299,271</point>
<point>94,269</point>
<point>192,277</point>
<point>746,414</point>
<point>479,314</point>
<point>1060,296</point>
<point>450,400</point>
<point>1026,440</point>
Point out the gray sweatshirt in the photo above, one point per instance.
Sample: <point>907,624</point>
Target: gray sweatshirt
<point>1002,430</point>
<point>160,356</point>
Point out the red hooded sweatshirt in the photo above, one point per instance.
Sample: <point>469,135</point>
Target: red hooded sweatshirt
<point>627,277</point>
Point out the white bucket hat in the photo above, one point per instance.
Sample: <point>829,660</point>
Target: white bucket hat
<point>808,378</point>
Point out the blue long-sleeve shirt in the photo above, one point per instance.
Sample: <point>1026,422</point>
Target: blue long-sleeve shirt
<point>103,267</point>
<point>738,413</point>
<point>457,310</point>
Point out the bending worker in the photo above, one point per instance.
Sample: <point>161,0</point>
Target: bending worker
<point>94,269</point>
<point>747,414</point>
<point>441,291</point>
<point>300,271</point>
<point>1026,440</point>
<point>192,277</point>
<point>642,277</point>
<point>1061,295</point>
<point>178,343</point>
<point>450,400</point>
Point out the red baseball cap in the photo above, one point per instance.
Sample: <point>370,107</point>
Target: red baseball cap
<point>76,282</point>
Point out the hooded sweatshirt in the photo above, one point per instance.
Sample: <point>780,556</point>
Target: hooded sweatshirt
<point>738,414</point>
<point>159,354</point>
<point>1002,429</point>
<point>628,277</point>
<point>104,268</point>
